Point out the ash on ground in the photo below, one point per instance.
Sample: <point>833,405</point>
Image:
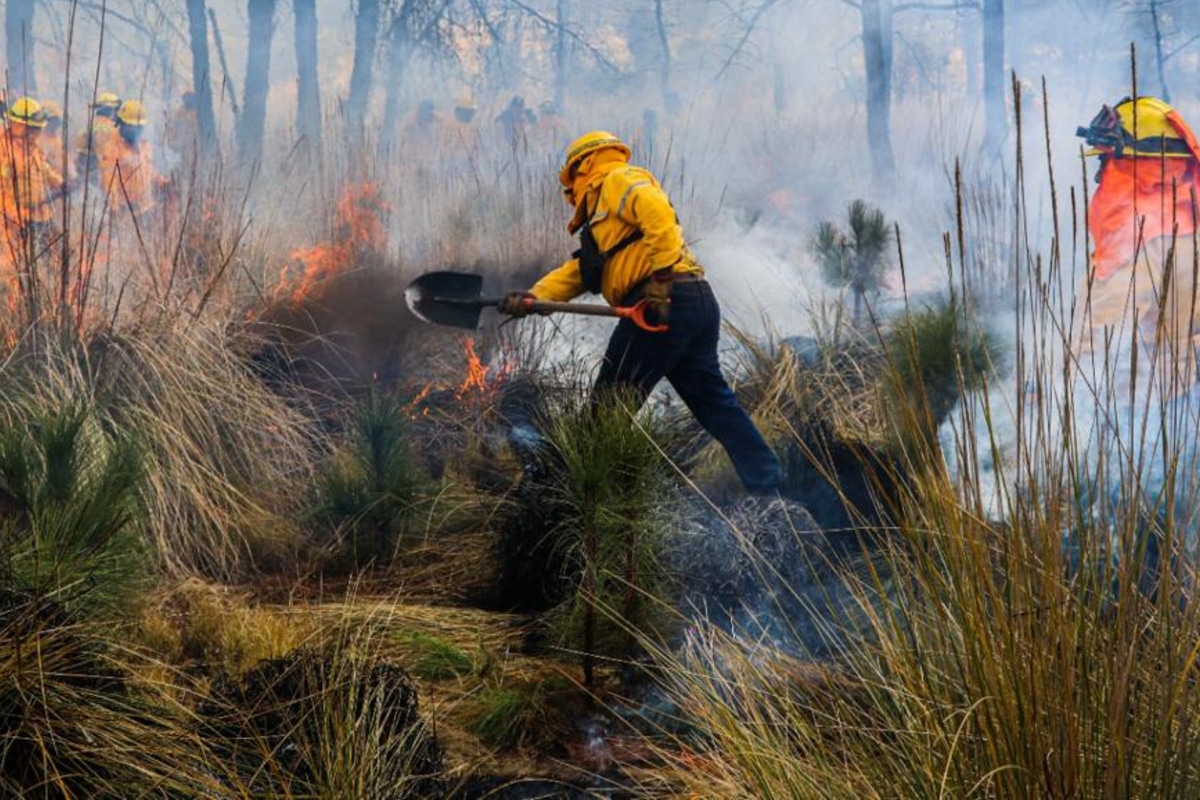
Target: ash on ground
<point>762,570</point>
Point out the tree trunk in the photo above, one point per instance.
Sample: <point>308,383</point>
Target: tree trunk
<point>969,29</point>
<point>994,110</point>
<point>664,70</point>
<point>206,123</point>
<point>560,56</point>
<point>877,51</point>
<point>1159,56</point>
<point>397,54</point>
<point>308,90</point>
<point>228,89</point>
<point>18,33</point>
<point>362,74</point>
<point>253,121</point>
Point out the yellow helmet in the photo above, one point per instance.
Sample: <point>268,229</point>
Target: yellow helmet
<point>465,101</point>
<point>1146,126</point>
<point>583,147</point>
<point>52,110</point>
<point>132,113</point>
<point>27,111</point>
<point>107,100</point>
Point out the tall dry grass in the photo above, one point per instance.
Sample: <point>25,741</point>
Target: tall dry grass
<point>1028,629</point>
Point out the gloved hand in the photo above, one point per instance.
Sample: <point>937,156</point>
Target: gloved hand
<point>658,294</point>
<point>514,304</point>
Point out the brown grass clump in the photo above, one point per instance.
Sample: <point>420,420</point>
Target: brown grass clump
<point>218,628</point>
<point>80,716</point>
<point>231,461</point>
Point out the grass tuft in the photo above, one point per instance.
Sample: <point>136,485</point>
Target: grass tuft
<point>70,509</point>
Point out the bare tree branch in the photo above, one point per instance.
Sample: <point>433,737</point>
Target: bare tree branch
<point>957,6</point>
<point>228,79</point>
<point>551,25</point>
<point>750,26</point>
<point>1181,48</point>
<point>492,30</point>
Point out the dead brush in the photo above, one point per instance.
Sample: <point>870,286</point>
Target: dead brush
<point>337,719</point>
<point>76,716</point>
<point>217,631</point>
<point>1036,640</point>
<point>229,461</point>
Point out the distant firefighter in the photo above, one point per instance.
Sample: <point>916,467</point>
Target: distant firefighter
<point>102,128</point>
<point>551,127</point>
<point>459,136</point>
<point>52,143</point>
<point>182,129</point>
<point>515,121</point>
<point>29,185</point>
<point>1142,223</point>
<point>464,109</point>
<point>423,127</point>
<point>126,163</point>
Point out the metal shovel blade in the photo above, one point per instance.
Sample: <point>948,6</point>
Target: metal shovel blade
<point>447,298</point>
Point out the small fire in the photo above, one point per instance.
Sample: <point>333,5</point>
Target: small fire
<point>358,230</point>
<point>426,390</point>
<point>477,373</point>
<point>480,384</point>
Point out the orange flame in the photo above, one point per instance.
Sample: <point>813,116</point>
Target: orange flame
<point>480,383</point>
<point>477,373</point>
<point>358,230</point>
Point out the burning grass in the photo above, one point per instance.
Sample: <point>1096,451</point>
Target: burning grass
<point>973,653</point>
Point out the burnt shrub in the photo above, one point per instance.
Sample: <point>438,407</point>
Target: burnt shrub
<point>334,723</point>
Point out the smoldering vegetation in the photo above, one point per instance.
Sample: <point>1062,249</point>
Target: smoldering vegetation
<point>265,534</point>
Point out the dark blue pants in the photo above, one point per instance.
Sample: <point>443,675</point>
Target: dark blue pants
<point>686,355</point>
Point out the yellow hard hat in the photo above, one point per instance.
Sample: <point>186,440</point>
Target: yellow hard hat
<point>106,100</point>
<point>465,100</point>
<point>584,146</point>
<point>27,111</point>
<point>52,110</point>
<point>132,113</point>
<point>1157,134</point>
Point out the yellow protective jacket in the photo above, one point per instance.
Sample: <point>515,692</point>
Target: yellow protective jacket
<point>59,161</point>
<point>28,184</point>
<point>90,142</point>
<point>619,201</point>
<point>127,173</point>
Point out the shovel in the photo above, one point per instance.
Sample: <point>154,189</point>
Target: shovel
<point>454,298</point>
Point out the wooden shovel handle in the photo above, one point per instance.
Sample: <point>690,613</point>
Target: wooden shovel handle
<point>635,313</point>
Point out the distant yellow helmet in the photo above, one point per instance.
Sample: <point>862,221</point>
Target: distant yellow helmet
<point>583,147</point>
<point>107,100</point>
<point>132,113</point>
<point>52,110</point>
<point>27,111</point>
<point>465,101</point>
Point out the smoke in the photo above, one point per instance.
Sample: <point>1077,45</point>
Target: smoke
<point>752,114</point>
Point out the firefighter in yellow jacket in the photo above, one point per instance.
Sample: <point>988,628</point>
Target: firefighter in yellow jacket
<point>29,185</point>
<point>52,141</point>
<point>126,162</point>
<point>103,128</point>
<point>632,248</point>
